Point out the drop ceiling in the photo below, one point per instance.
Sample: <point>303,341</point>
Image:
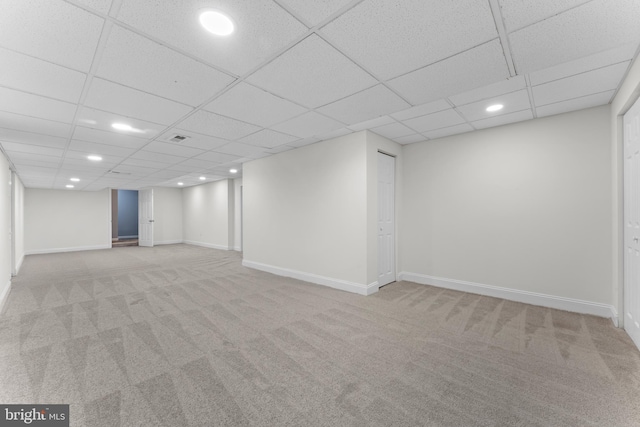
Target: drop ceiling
<point>294,73</point>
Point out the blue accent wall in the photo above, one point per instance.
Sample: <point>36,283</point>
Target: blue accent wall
<point>127,213</point>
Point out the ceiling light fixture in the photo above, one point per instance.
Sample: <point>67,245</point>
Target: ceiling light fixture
<point>202,178</point>
<point>94,158</point>
<point>74,179</point>
<point>216,23</point>
<point>69,186</point>
<point>122,126</point>
<point>233,170</point>
<point>181,183</point>
<point>495,107</point>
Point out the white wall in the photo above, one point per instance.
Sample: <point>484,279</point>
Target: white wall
<point>167,215</point>
<point>61,221</point>
<point>18,223</point>
<point>305,213</point>
<point>627,94</point>
<point>5,226</point>
<point>237,214</point>
<point>206,215</point>
<point>524,207</point>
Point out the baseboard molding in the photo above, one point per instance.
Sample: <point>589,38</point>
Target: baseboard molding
<point>168,242</point>
<point>73,249</point>
<point>19,266</point>
<point>128,237</point>
<point>343,285</point>
<point>206,245</point>
<point>237,248</point>
<point>4,296</point>
<point>544,300</point>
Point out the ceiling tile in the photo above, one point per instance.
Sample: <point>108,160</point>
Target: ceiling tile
<point>112,138</point>
<point>280,149</point>
<point>410,139</point>
<point>100,149</point>
<point>593,27</point>
<point>36,106</point>
<point>52,30</point>
<point>34,125</point>
<point>32,138</point>
<point>115,98</point>
<point>576,104</point>
<point>102,120</point>
<point>366,105</point>
<point>451,75</point>
<point>514,101</point>
<point>215,125</point>
<point>268,138</point>
<point>367,124</point>
<point>21,158</point>
<point>156,69</point>
<point>241,150</point>
<point>453,130</point>
<point>307,74</point>
<point>35,149</point>
<point>143,162</point>
<point>595,81</point>
<point>314,12</point>
<point>334,134</point>
<point>215,157</point>
<point>303,142</point>
<point>308,124</point>
<point>175,149</point>
<point>262,29</point>
<point>588,63</point>
<point>252,105</point>
<point>157,157</point>
<point>503,119</point>
<point>433,121</point>
<point>393,130</point>
<point>490,91</point>
<point>421,110</point>
<point>81,157</point>
<point>22,72</point>
<point>426,31</point>
<point>101,6</point>
<point>518,14</point>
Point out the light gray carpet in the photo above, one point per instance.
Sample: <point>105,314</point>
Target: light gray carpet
<point>185,336</point>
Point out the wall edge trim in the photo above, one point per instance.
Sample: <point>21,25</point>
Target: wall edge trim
<point>4,296</point>
<point>533,298</point>
<point>70,249</point>
<point>343,285</point>
<point>167,242</point>
<point>207,245</point>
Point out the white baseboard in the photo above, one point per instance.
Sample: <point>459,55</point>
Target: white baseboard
<point>20,261</point>
<point>128,237</point>
<point>73,249</point>
<point>167,242</point>
<point>237,248</point>
<point>544,300</point>
<point>206,245</point>
<point>4,295</point>
<point>343,285</point>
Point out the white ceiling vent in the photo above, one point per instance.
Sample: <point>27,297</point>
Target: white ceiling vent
<point>177,138</point>
<point>119,173</point>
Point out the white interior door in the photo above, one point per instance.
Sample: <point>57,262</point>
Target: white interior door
<point>631,122</point>
<point>386,220</point>
<point>145,217</point>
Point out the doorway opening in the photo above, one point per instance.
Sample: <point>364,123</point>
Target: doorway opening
<point>124,218</point>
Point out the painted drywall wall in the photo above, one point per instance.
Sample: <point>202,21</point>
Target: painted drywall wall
<point>305,213</point>
<point>127,213</point>
<point>627,94</point>
<point>167,215</point>
<point>525,207</point>
<point>61,221</point>
<point>17,223</point>
<point>237,234</point>
<point>5,227</point>
<point>114,214</point>
<point>205,214</point>
<point>376,143</point>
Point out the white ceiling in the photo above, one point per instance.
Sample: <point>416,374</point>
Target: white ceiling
<point>295,72</point>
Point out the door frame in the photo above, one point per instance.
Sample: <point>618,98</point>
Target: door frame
<point>395,216</point>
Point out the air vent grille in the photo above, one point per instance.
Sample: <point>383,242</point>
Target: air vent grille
<point>178,138</point>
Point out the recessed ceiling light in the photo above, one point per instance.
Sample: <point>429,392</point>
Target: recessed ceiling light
<point>233,170</point>
<point>495,107</point>
<point>181,183</point>
<point>74,179</point>
<point>69,186</point>
<point>202,178</point>
<point>122,126</point>
<point>94,158</point>
<point>216,23</point>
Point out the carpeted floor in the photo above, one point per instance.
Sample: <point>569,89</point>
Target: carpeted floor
<point>185,336</point>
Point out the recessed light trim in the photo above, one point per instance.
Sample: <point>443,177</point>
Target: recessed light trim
<point>216,22</point>
<point>494,108</point>
<point>233,170</point>
<point>94,158</point>
<point>74,179</point>
<point>122,126</point>
<point>69,185</point>
<point>181,183</point>
<point>202,178</point>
